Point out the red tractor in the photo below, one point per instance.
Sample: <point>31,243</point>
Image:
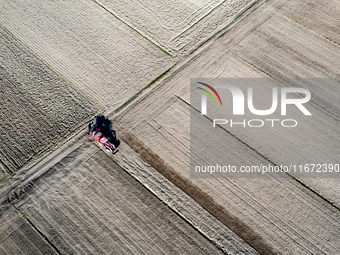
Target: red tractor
<point>97,135</point>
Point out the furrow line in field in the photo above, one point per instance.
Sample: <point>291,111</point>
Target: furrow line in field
<point>30,225</point>
<point>176,141</point>
<point>66,226</point>
<point>184,206</point>
<point>200,196</point>
<point>257,50</point>
<point>20,236</point>
<point>303,198</point>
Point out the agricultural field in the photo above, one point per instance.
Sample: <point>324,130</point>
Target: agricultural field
<point>273,208</point>
<point>38,108</point>
<point>103,58</point>
<point>281,48</point>
<point>177,26</point>
<point>319,16</point>
<point>87,204</point>
<point>63,62</point>
<point>4,178</point>
<point>277,208</point>
<point>18,237</point>
<point>142,166</point>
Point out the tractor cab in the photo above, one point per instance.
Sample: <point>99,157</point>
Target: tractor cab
<point>102,134</point>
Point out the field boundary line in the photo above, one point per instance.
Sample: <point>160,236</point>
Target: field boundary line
<point>139,93</point>
<point>243,13</point>
<point>39,232</point>
<point>133,29</point>
<point>184,62</point>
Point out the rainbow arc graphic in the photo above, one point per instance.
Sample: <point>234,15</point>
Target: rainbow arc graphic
<point>209,93</point>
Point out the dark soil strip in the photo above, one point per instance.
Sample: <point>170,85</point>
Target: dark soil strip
<point>205,200</point>
<point>41,234</point>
